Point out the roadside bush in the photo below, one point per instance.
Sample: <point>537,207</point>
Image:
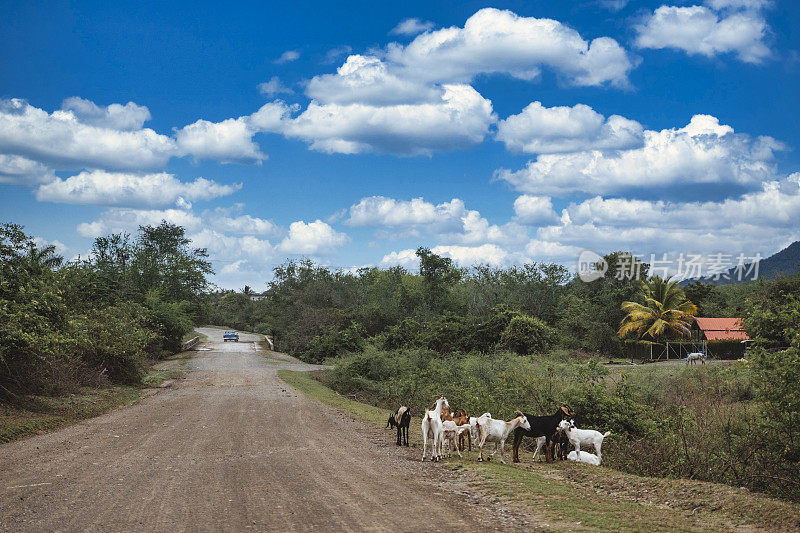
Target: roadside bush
<point>526,335</point>
<point>334,343</point>
<point>169,320</point>
<point>113,340</point>
<point>36,351</point>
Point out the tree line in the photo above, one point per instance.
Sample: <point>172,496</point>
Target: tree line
<point>98,319</point>
<point>316,313</point>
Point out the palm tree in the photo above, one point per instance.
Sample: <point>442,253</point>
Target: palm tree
<point>665,312</point>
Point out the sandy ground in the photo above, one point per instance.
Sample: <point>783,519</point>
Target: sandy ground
<point>232,447</point>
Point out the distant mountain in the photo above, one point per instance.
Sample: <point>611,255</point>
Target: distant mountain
<point>786,261</point>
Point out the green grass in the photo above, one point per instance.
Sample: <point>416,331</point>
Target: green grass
<point>568,496</point>
<point>42,414</point>
<point>305,383</point>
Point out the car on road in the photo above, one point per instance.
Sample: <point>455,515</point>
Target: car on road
<point>230,335</point>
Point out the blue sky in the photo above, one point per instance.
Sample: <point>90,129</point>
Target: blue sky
<point>494,133</point>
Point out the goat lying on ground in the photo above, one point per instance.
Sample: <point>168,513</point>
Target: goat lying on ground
<point>692,358</point>
<point>586,437</point>
<point>461,417</point>
<point>400,419</point>
<point>541,426</point>
<point>432,429</point>
<point>586,457</point>
<point>497,431</point>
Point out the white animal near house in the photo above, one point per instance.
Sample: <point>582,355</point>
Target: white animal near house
<point>692,358</point>
<point>586,457</point>
<point>584,437</point>
<point>497,431</point>
<point>432,429</point>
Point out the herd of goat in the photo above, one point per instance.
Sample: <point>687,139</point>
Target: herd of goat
<point>556,433</point>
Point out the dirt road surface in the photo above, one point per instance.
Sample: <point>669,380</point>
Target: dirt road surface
<point>231,447</point>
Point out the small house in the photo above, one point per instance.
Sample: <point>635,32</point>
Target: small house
<point>724,337</point>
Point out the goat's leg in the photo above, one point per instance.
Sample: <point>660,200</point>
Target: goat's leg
<point>399,431</point>
<point>515,447</point>
<point>502,445</point>
<point>492,454</point>
<point>424,440</point>
<point>597,447</point>
<point>405,435</point>
<point>578,451</point>
<point>536,451</point>
<point>548,450</point>
<point>480,449</point>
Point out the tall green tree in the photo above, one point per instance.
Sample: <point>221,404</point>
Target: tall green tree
<point>438,277</point>
<point>663,311</point>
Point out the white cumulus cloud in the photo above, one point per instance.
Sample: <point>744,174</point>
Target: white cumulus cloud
<point>495,41</point>
<point>704,151</point>
<point>535,210</point>
<point>17,170</point>
<point>62,141</point>
<point>99,187</point>
<point>312,238</point>
<point>539,129</point>
<point>703,31</point>
<point>115,116</point>
<point>460,118</point>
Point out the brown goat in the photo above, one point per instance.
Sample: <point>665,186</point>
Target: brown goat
<point>446,414</point>
<point>461,418</point>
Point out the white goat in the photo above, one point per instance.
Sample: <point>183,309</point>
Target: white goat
<point>450,434</point>
<point>540,441</point>
<point>692,358</point>
<point>432,428</point>
<point>584,437</point>
<point>473,426</point>
<point>586,457</point>
<point>497,431</point>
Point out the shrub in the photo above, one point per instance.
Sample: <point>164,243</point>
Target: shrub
<point>114,340</point>
<point>169,320</point>
<point>334,343</point>
<point>525,335</point>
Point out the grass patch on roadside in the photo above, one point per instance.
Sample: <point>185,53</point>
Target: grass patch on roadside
<point>580,497</point>
<point>42,414</point>
<point>304,382</point>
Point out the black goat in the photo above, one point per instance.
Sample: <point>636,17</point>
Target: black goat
<point>400,419</point>
<point>542,426</point>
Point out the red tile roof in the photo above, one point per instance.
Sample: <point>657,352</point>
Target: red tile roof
<point>719,329</point>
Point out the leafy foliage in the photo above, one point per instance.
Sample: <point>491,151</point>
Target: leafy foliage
<point>99,319</point>
<point>664,313</point>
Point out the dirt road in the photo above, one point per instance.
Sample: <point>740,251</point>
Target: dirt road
<point>230,447</point>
